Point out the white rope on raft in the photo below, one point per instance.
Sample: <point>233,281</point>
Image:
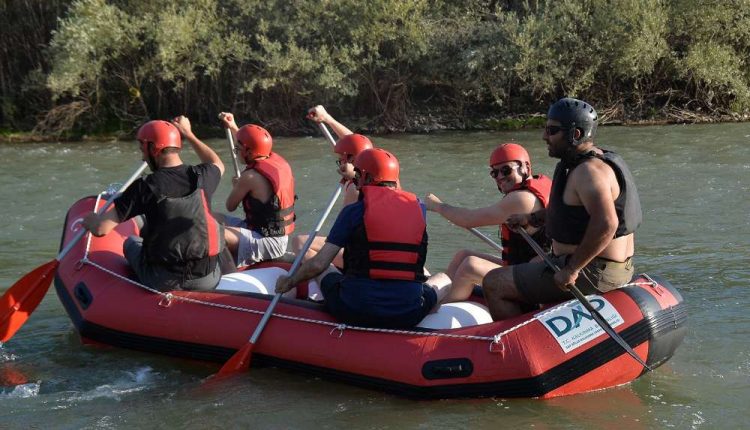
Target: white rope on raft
<point>167,297</point>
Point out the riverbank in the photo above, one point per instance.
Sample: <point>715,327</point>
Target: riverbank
<point>423,123</point>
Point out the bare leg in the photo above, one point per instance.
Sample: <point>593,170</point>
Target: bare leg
<point>232,239</point>
<point>441,283</point>
<point>299,241</point>
<point>470,272</point>
<point>458,258</point>
<point>501,293</point>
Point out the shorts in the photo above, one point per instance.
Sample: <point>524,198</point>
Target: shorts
<point>330,285</point>
<point>535,281</point>
<point>253,246</point>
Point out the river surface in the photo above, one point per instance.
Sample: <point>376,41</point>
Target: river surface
<point>694,183</point>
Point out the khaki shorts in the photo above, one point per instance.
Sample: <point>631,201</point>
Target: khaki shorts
<point>535,281</point>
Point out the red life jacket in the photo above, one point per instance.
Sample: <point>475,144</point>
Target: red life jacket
<point>275,217</point>
<point>182,231</point>
<point>515,249</point>
<point>391,244</point>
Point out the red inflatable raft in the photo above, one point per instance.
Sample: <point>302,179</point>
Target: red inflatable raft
<point>552,352</point>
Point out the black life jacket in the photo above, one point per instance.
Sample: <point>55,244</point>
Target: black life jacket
<point>567,224</point>
<point>391,243</point>
<point>515,249</point>
<point>182,231</point>
<point>275,217</point>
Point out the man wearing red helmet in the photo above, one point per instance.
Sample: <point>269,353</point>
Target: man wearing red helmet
<point>181,241</point>
<point>265,189</point>
<point>346,148</point>
<point>592,216</point>
<point>382,282</point>
<point>510,166</point>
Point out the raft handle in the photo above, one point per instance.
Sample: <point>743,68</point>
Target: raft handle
<point>83,295</point>
<point>446,369</point>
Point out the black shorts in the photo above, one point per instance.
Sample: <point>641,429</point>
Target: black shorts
<point>330,285</point>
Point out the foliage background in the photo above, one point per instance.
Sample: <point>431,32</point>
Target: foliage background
<point>70,67</point>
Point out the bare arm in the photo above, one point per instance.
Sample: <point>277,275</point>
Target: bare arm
<point>309,269</point>
<point>518,202</point>
<point>247,181</point>
<point>204,152</point>
<point>101,224</point>
<point>319,114</point>
<point>351,194</point>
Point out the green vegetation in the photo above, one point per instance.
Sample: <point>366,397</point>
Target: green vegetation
<point>81,66</point>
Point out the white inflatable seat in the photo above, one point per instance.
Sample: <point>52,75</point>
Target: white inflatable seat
<point>263,281</point>
<point>260,281</point>
<point>456,315</point>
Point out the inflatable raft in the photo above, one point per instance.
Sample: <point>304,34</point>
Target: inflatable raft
<point>458,352</point>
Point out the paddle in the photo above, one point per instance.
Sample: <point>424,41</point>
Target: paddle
<point>230,139</point>
<point>240,361</point>
<point>573,289</point>
<point>24,296</point>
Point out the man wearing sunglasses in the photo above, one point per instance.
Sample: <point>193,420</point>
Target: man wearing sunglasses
<point>347,147</point>
<point>510,168</point>
<point>593,212</point>
<point>265,189</point>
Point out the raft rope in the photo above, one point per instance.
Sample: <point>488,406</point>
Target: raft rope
<point>496,344</point>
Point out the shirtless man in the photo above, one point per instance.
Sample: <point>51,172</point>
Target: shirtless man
<point>593,212</point>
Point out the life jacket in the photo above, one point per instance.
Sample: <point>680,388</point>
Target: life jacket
<point>567,224</point>
<point>275,217</point>
<point>515,248</point>
<point>391,243</point>
<point>183,231</point>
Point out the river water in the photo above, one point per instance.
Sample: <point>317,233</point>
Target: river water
<point>693,182</point>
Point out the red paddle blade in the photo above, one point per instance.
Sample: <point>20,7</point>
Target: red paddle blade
<point>240,361</point>
<point>23,297</point>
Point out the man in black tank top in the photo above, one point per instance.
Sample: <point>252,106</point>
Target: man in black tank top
<point>180,244</point>
<point>593,212</point>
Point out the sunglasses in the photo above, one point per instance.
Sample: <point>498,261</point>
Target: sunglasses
<point>553,129</point>
<point>502,172</point>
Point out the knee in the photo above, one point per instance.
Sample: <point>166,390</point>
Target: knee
<point>462,254</point>
<point>498,280</point>
<point>472,263</point>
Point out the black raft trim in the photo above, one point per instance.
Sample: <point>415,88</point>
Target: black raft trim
<point>587,361</point>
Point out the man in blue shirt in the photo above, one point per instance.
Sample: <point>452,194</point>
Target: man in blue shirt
<point>384,238</point>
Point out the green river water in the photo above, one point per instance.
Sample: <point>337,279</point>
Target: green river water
<point>693,181</point>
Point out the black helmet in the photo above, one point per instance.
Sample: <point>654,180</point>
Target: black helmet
<point>575,114</point>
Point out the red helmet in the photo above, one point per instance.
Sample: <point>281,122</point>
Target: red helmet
<point>256,140</point>
<point>510,152</point>
<point>161,134</point>
<point>352,144</point>
<point>381,165</point>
